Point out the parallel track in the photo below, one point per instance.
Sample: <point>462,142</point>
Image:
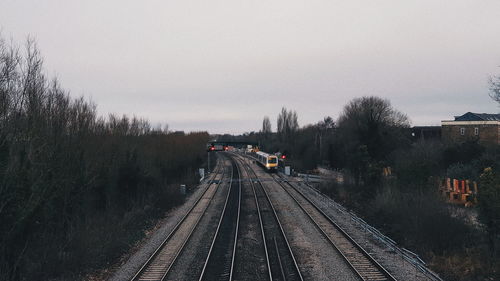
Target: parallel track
<point>161,261</point>
<point>281,261</point>
<point>220,261</point>
<point>358,259</point>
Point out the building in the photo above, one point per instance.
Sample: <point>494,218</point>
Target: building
<point>481,127</point>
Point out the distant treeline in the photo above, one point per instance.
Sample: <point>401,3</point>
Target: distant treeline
<point>76,189</point>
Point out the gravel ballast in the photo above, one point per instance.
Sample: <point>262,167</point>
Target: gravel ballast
<point>317,259</point>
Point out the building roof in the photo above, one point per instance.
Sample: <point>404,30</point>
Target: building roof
<point>469,116</point>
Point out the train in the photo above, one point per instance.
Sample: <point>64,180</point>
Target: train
<point>268,161</point>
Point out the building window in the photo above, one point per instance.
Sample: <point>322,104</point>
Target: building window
<point>476,131</point>
<point>462,131</point>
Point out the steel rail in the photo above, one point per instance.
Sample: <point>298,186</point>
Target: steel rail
<point>361,272</point>
<point>237,222</point>
<point>155,254</point>
<point>224,214</point>
<point>281,232</point>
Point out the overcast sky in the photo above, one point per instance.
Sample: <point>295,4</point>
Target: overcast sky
<point>222,65</point>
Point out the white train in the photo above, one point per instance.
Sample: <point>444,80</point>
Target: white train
<point>266,160</point>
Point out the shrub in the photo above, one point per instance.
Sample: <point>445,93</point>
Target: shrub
<point>489,206</point>
<point>418,220</point>
<point>415,167</point>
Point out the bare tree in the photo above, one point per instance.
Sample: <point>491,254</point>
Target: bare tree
<point>281,122</point>
<point>495,88</point>
<point>293,123</point>
<point>287,123</point>
<point>64,170</point>
<point>323,127</point>
<point>266,126</point>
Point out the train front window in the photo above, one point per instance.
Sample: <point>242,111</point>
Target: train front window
<point>272,160</point>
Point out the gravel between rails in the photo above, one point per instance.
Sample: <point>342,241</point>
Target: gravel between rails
<point>250,261</point>
<point>391,260</point>
<point>129,268</point>
<point>189,264</point>
<point>317,259</point>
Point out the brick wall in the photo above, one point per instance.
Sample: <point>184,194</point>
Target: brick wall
<point>488,133</point>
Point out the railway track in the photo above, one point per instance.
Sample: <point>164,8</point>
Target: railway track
<point>251,260</point>
<point>358,259</point>
<point>220,260</point>
<point>281,261</point>
<point>161,261</point>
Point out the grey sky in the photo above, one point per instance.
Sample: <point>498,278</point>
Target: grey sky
<point>222,65</point>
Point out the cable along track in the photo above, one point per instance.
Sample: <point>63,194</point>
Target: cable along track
<point>282,263</point>
<point>160,262</point>
<point>358,259</point>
